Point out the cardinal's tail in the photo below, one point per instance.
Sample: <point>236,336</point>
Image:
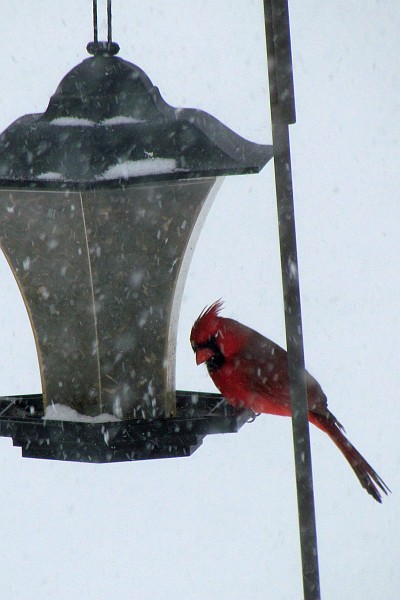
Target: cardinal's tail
<point>368,478</point>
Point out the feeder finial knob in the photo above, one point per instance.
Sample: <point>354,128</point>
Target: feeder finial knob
<point>102,48</point>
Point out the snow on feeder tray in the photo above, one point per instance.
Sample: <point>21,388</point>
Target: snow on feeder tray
<point>102,198</point>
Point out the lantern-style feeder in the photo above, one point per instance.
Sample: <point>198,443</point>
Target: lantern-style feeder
<point>102,198</point>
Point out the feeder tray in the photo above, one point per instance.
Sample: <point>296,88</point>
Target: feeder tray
<point>197,415</point>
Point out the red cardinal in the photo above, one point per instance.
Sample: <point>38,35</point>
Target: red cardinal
<point>251,371</point>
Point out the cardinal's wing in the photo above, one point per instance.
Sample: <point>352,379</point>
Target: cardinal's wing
<point>265,366</point>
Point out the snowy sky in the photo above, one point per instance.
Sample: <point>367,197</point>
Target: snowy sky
<point>223,523</point>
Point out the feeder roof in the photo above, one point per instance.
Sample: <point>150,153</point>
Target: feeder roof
<point>107,124</point>
<point>104,87</point>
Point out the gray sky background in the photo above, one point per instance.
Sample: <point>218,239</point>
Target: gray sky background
<point>223,523</point>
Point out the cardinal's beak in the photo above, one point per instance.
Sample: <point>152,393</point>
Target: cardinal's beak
<point>203,355</point>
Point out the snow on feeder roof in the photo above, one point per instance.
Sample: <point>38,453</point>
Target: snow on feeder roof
<point>102,198</point>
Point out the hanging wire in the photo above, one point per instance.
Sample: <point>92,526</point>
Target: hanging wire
<point>109,22</point>
<point>95,31</point>
<point>109,18</point>
<point>108,48</point>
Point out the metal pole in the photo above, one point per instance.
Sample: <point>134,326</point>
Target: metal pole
<point>277,31</point>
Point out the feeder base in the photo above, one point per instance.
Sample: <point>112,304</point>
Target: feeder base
<point>198,414</point>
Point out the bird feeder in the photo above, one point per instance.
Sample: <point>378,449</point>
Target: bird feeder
<point>102,198</point>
